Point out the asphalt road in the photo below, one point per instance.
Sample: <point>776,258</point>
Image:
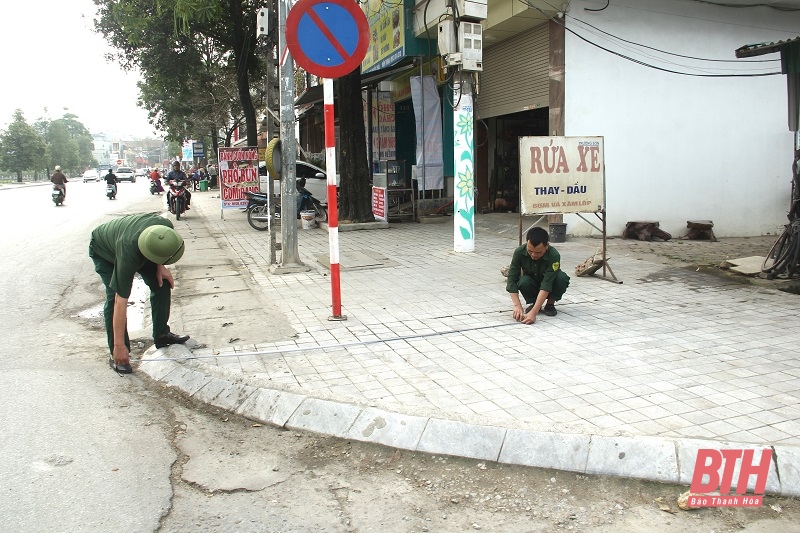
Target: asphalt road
<point>82,448</point>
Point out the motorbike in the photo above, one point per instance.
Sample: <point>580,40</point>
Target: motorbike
<point>111,190</point>
<point>155,187</point>
<point>58,195</point>
<point>179,197</point>
<point>258,213</point>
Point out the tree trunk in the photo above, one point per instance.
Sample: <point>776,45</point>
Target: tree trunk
<point>355,194</point>
<point>19,176</point>
<point>244,39</point>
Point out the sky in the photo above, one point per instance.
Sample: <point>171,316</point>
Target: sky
<point>53,59</point>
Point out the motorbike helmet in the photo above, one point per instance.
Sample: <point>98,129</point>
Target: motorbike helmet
<point>300,183</point>
<point>161,244</point>
<point>58,167</point>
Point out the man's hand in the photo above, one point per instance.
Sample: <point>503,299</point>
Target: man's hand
<point>121,355</point>
<point>530,318</point>
<point>163,273</point>
<point>518,314</point>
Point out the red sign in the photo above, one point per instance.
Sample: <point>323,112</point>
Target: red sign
<point>379,203</point>
<point>327,38</point>
<point>708,465</point>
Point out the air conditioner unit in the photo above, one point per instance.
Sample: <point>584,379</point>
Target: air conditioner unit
<point>472,9</point>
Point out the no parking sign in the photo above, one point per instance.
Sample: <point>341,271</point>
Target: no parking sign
<point>327,38</point>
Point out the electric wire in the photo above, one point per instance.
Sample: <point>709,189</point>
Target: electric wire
<point>643,63</point>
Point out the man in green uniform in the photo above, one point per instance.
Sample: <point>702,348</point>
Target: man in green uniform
<point>535,271</point>
<point>122,248</point>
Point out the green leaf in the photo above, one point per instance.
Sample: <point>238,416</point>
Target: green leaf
<point>465,233</point>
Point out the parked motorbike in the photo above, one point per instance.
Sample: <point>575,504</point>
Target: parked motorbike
<point>111,191</point>
<point>178,198</point>
<point>58,195</point>
<point>258,213</point>
<point>156,187</point>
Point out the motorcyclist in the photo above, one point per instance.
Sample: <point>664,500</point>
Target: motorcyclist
<point>111,179</point>
<point>178,176</point>
<point>59,180</point>
<point>155,177</point>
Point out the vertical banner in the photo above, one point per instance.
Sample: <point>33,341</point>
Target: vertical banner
<point>238,173</point>
<point>428,115</point>
<point>464,163</point>
<point>561,175</point>
<point>383,128</point>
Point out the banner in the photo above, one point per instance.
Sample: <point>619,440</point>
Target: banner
<point>238,173</point>
<point>561,175</point>
<point>428,116</point>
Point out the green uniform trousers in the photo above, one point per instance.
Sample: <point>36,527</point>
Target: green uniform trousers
<point>529,288</point>
<point>160,300</point>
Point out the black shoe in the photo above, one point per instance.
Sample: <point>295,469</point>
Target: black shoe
<point>120,369</point>
<point>550,310</point>
<point>169,339</point>
<point>528,309</point>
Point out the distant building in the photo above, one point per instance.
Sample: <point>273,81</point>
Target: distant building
<point>102,149</point>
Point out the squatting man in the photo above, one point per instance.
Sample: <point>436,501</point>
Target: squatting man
<point>122,248</point>
<point>535,272</point>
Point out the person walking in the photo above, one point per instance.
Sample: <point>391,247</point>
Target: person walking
<point>120,249</point>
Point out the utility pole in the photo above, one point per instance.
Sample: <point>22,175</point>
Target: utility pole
<point>290,256</point>
<point>272,116</point>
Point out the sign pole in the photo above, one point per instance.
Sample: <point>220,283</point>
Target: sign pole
<point>319,35</point>
<point>333,205</point>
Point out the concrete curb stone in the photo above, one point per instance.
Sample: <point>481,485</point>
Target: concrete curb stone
<point>462,439</point>
<point>387,428</point>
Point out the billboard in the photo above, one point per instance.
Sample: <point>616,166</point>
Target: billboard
<point>561,175</point>
<point>238,173</point>
<point>387,34</point>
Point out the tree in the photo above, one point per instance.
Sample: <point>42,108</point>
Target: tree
<point>69,143</point>
<point>168,41</point>
<point>354,190</point>
<point>21,146</point>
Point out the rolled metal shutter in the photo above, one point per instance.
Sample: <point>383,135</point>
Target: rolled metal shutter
<point>515,74</point>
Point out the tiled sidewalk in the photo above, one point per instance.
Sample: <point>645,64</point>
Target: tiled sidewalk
<point>669,352</point>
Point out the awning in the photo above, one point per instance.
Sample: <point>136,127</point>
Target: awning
<point>314,94</point>
<point>790,65</point>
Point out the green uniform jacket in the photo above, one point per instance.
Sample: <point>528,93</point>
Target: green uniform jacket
<point>543,270</point>
<point>118,243</point>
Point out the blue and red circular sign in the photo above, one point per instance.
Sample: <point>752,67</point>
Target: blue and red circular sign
<point>327,38</point>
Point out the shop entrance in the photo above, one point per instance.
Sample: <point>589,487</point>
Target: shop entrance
<point>498,181</point>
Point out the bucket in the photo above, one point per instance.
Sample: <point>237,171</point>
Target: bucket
<point>558,232</point>
<point>203,185</point>
<point>307,219</point>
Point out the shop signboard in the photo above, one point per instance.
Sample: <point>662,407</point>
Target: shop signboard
<point>561,175</point>
<point>386,34</point>
<point>238,173</point>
